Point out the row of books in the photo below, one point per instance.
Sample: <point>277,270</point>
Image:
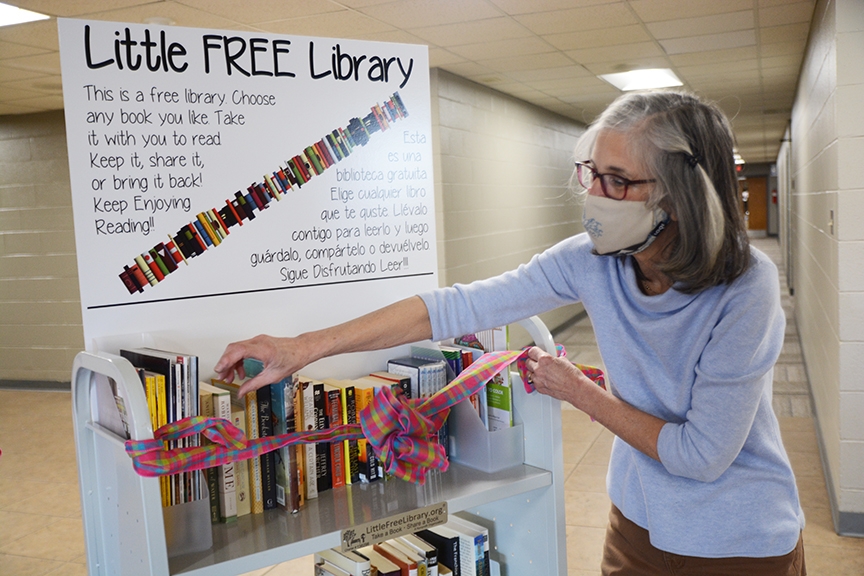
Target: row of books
<point>289,476</point>
<point>493,404</point>
<point>460,547</point>
<point>170,383</point>
<point>211,227</point>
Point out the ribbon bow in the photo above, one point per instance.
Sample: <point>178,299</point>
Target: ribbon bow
<point>401,431</point>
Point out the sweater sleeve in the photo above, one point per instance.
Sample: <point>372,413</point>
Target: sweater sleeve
<point>542,284</point>
<point>733,376</point>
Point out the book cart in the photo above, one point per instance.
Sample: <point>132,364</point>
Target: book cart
<point>125,531</point>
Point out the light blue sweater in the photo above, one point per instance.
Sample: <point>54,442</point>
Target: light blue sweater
<point>702,362</point>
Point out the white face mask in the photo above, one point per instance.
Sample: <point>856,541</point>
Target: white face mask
<point>619,227</point>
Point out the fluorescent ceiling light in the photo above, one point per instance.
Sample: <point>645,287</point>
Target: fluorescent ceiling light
<point>13,15</point>
<point>643,79</point>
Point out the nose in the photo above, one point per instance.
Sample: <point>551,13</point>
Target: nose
<point>596,188</point>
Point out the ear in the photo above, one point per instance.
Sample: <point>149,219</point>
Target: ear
<point>664,204</point>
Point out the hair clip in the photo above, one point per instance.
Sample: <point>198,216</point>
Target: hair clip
<point>693,159</point>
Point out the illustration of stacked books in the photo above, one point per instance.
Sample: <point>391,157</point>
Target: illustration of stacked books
<point>211,227</point>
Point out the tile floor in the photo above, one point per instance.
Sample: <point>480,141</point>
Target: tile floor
<point>40,515</point>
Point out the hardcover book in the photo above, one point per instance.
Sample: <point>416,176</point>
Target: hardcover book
<point>287,471</point>
<point>447,543</point>
<point>333,396</point>
<point>353,563</point>
<point>310,458</point>
<point>384,566</point>
<point>268,460</point>
<point>350,448</point>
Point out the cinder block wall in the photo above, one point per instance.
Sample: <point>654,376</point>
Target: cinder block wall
<point>502,171</point>
<point>40,309</point>
<point>827,241</point>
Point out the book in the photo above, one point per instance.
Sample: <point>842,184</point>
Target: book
<point>398,380</point>
<point>287,472</point>
<point>266,423</point>
<point>452,356</point>
<point>383,565</point>
<point>333,398</point>
<point>368,463</point>
<point>350,448</point>
<point>180,372</point>
<point>411,554</point>
<point>323,473</point>
<point>427,376</point>
<point>407,566</point>
<point>353,563</point>
<point>299,449</point>
<point>268,460</point>
<point>447,543</point>
<point>425,549</point>
<point>216,402</point>
<point>310,478</point>
<point>474,545</point>
<point>249,402</point>
<point>205,408</point>
<point>499,405</point>
<point>327,569</point>
<point>256,486</point>
<point>242,471</point>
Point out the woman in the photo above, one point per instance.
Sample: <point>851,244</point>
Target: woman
<point>688,320</point>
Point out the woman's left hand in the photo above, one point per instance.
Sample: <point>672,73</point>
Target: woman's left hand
<point>556,377</point>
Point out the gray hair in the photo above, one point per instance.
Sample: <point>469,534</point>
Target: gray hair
<point>687,146</point>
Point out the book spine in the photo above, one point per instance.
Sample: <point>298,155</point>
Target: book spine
<point>283,401</point>
<point>205,407</point>
<point>241,469</point>
<point>322,449</point>
<point>268,461</point>
<point>255,485</point>
<point>337,449</point>
<point>309,456</point>
<point>299,449</point>
<point>351,447</point>
<point>226,476</point>
<point>367,460</point>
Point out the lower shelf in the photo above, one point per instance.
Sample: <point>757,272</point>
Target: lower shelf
<point>260,540</point>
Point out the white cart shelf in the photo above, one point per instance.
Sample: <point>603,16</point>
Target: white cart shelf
<point>523,506</point>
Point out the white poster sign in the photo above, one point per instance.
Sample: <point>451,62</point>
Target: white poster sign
<point>229,183</point>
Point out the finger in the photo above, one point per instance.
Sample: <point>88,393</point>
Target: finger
<point>253,384</point>
<point>232,360</point>
<point>232,355</point>
<point>536,353</point>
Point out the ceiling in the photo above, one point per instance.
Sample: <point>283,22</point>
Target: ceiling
<point>744,54</point>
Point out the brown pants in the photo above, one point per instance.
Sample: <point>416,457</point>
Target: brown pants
<point>628,552</point>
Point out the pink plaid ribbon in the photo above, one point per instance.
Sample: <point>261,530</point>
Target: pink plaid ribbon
<point>402,431</point>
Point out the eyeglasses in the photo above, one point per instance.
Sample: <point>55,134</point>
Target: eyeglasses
<point>613,185</point>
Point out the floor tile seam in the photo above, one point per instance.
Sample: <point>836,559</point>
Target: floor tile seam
<point>20,537</point>
<point>33,558</point>
<point>43,515</point>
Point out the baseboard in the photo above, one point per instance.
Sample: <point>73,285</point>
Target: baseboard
<point>849,524</point>
<point>37,385</point>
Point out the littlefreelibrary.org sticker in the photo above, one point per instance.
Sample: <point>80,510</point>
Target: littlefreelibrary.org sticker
<point>398,525</point>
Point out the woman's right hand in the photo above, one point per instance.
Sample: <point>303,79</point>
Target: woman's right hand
<point>281,358</point>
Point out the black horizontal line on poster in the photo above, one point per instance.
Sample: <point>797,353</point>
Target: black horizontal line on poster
<point>198,296</point>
